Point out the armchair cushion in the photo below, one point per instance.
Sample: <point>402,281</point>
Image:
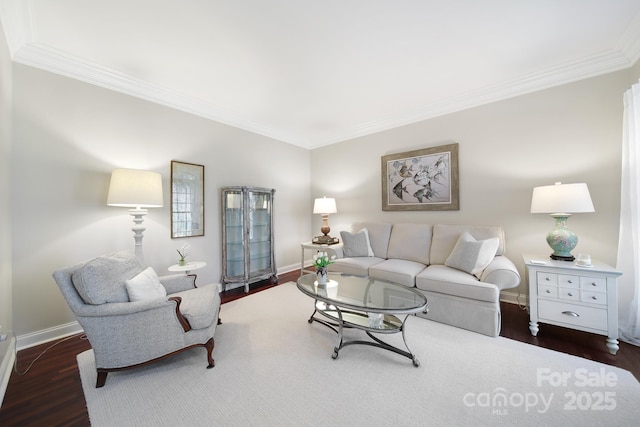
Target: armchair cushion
<point>145,285</point>
<point>103,279</point>
<point>198,305</point>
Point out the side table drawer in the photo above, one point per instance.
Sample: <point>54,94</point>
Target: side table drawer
<point>568,281</point>
<point>569,294</point>
<point>547,291</point>
<point>597,284</point>
<point>545,278</point>
<point>588,317</point>
<point>594,297</point>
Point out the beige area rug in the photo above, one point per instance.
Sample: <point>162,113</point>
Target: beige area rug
<point>275,369</point>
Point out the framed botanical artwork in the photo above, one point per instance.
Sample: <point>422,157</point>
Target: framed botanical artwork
<point>421,180</point>
<point>187,199</point>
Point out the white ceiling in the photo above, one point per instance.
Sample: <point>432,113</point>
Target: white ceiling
<point>312,73</point>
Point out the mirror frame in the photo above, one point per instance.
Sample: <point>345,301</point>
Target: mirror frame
<point>191,177</point>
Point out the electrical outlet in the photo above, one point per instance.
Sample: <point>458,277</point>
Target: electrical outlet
<point>3,337</point>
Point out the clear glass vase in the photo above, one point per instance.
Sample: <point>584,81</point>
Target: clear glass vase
<point>321,273</point>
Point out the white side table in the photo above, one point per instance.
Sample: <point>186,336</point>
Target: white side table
<point>564,294</point>
<point>190,266</point>
<point>314,247</point>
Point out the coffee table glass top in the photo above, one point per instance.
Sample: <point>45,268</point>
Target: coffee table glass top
<point>363,293</point>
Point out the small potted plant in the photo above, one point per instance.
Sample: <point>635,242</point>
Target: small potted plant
<point>184,253</point>
<point>321,260</point>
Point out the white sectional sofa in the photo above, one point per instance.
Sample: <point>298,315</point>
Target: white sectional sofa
<point>461,269</point>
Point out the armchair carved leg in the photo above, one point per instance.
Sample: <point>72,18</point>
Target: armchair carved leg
<point>209,346</point>
<point>102,378</point>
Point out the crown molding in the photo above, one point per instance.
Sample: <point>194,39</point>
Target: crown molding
<point>20,29</point>
<point>19,26</point>
<point>571,72</point>
<point>55,61</point>
<point>49,59</point>
<point>629,43</point>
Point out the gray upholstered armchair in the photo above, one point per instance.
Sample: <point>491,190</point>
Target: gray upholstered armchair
<point>126,333</point>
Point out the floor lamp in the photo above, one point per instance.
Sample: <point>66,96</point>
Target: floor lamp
<point>136,189</point>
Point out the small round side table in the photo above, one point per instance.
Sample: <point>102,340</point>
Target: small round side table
<point>192,265</point>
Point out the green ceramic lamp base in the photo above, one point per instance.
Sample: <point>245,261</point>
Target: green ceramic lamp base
<point>561,239</point>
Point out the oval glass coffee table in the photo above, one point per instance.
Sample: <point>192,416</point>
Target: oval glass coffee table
<point>372,305</point>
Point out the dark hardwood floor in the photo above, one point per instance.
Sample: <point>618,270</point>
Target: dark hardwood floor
<point>50,394</point>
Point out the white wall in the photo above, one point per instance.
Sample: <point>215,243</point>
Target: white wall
<point>69,135</point>
<point>5,211</point>
<point>570,133</point>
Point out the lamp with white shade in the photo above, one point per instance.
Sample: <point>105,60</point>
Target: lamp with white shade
<point>136,189</point>
<point>324,207</point>
<point>562,200</point>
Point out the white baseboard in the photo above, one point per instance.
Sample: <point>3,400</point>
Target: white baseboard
<point>288,268</point>
<point>46,335</point>
<point>513,298</point>
<point>6,367</point>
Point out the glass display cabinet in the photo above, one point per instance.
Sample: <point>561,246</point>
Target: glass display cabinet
<point>247,236</point>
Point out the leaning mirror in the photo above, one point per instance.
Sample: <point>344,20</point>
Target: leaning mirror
<point>187,199</point>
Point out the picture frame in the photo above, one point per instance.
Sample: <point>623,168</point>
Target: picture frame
<point>421,180</point>
<point>187,199</point>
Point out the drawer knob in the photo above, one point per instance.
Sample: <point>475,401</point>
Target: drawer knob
<point>548,291</point>
<point>594,284</point>
<point>570,294</point>
<point>547,279</point>
<point>570,281</point>
<point>570,313</point>
<point>594,298</point>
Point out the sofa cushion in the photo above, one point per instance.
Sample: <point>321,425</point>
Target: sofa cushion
<point>446,236</point>
<point>356,266</point>
<point>397,270</point>
<point>145,285</point>
<point>447,280</point>
<point>379,233</point>
<point>411,242</point>
<point>356,244</point>
<point>471,255</point>
<point>102,280</point>
<point>199,305</point>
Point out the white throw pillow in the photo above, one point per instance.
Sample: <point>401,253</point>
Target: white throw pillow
<point>356,244</point>
<point>471,255</point>
<point>145,285</point>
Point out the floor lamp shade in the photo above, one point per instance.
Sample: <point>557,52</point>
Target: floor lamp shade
<point>560,201</point>
<point>136,189</point>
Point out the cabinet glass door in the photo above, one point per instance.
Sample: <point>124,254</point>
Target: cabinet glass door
<point>259,216</point>
<point>234,223</point>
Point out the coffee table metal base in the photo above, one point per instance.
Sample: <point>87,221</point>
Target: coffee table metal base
<point>342,318</point>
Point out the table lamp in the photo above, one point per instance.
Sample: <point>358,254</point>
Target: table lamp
<point>561,200</point>
<point>136,189</point>
<point>324,207</point>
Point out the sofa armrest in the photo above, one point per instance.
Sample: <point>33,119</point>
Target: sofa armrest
<point>178,282</point>
<point>337,250</point>
<point>501,272</point>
